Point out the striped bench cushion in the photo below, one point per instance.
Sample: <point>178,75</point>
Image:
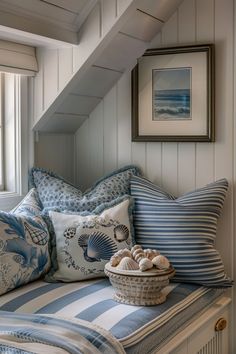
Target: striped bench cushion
<point>183,229</point>
<point>139,329</point>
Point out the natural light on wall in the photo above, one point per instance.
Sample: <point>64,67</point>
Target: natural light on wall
<point>17,63</point>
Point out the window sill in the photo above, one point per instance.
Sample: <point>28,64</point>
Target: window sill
<point>8,200</point>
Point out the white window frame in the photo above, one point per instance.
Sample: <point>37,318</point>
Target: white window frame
<point>15,152</point>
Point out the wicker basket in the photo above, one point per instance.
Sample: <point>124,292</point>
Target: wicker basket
<point>134,287</point>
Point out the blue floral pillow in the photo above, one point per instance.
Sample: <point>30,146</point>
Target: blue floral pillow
<point>30,205</point>
<point>24,254</point>
<point>55,192</point>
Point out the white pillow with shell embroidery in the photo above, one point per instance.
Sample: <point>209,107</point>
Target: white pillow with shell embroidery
<point>85,244</point>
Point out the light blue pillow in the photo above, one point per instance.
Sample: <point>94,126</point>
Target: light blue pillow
<point>55,192</point>
<point>183,229</point>
<point>24,254</point>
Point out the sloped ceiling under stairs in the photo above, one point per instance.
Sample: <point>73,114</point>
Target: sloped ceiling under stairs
<point>113,32</point>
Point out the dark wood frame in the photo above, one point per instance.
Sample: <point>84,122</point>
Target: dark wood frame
<point>210,136</point>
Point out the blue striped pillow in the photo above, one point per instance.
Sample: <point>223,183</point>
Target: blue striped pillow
<point>183,229</point>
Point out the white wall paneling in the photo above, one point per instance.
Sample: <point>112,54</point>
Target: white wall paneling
<point>123,118</point>
<point>95,139</point>
<point>110,131</point>
<point>82,165</point>
<point>55,152</point>
<point>178,167</point>
<point>50,75</point>
<point>65,66</point>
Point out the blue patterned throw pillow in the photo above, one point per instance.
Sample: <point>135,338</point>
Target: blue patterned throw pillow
<point>183,229</point>
<point>55,192</point>
<point>24,254</point>
<point>30,205</point>
<point>85,243</point>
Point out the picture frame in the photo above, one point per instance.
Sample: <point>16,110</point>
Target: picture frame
<point>173,95</point>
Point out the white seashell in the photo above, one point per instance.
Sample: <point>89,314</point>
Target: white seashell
<point>135,247</point>
<point>127,263</point>
<point>115,260</point>
<point>138,254</point>
<point>124,253</point>
<point>161,262</point>
<point>149,253</point>
<point>145,264</point>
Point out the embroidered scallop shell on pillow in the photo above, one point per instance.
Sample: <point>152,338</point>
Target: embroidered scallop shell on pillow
<point>84,244</point>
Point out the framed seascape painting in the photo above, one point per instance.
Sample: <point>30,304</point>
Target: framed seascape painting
<point>173,95</point>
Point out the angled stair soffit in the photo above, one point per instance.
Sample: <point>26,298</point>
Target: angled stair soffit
<point>115,52</point>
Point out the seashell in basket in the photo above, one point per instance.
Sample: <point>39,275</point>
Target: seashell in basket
<point>138,254</point>
<point>115,260</point>
<point>145,264</point>
<point>127,263</point>
<point>149,253</point>
<point>161,262</point>
<point>135,247</point>
<point>124,253</point>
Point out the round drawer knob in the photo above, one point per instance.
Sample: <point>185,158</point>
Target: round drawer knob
<point>220,324</point>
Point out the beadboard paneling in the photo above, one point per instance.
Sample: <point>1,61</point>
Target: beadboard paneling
<point>55,152</point>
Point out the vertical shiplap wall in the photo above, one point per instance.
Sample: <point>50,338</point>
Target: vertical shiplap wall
<point>103,143</point>
<point>56,152</point>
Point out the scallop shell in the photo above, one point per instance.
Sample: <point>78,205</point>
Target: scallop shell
<point>135,247</point>
<point>69,232</point>
<point>38,236</point>
<point>138,254</point>
<point>83,240</point>
<point>115,260</point>
<point>121,233</point>
<point>161,262</point>
<point>128,263</point>
<point>100,246</point>
<point>124,253</point>
<point>150,253</point>
<point>145,264</point>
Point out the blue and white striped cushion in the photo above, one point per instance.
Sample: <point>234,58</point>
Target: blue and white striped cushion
<point>183,229</point>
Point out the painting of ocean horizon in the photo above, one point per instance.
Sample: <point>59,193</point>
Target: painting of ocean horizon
<point>171,94</point>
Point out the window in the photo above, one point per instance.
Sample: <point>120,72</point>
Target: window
<point>14,139</point>
<point>18,65</point>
